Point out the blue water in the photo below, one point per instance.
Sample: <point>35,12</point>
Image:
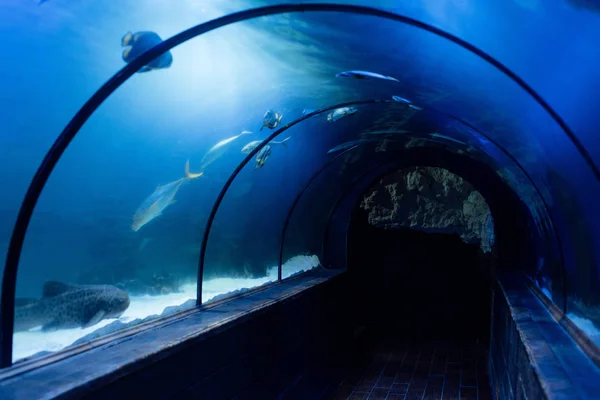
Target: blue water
<point>56,55</point>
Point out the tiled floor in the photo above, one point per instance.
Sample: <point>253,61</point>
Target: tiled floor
<point>394,370</point>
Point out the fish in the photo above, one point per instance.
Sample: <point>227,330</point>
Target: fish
<point>403,100</point>
<point>262,156</point>
<point>364,75</point>
<point>271,119</point>
<point>386,132</point>
<point>215,152</point>
<point>162,197</point>
<point>347,145</point>
<point>247,149</point>
<point>438,135</point>
<point>308,111</point>
<point>339,113</point>
<point>138,43</point>
<point>66,306</point>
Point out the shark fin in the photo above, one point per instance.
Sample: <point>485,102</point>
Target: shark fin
<point>188,174</point>
<point>54,288</point>
<point>95,319</point>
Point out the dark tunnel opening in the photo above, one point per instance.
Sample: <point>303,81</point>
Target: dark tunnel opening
<point>424,294</point>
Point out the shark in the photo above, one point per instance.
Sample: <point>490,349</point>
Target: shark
<point>67,306</point>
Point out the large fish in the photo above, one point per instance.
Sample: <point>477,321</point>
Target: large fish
<point>262,156</point>
<point>254,144</point>
<point>399,99</point>
<point>271,119</point>
<point>439,135</point>
<point>140,42</point>
<point>364,75</point>
<point>65,306</point>
<point>353,143</point>
<point>339,113</point>
<point>160,199</point>
<point>218,150</point>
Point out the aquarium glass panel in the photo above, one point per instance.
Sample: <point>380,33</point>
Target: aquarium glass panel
<point>197,105</point>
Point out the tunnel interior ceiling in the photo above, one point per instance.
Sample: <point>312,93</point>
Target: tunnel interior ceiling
<point>287,64</point>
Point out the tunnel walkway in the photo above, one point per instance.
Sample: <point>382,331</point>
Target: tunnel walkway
<point>388,367</point>
<point>420,308</point>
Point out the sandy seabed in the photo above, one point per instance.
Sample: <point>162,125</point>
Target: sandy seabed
<point>35,341</point>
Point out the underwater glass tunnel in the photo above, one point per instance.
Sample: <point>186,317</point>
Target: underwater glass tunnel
<point>428,152</point>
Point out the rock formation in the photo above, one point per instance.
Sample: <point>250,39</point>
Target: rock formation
<point>431,200</point>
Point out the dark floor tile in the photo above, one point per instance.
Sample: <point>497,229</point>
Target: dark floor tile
<point>468,393</point>
<point>397,356</point>
<point>452,380</point>
<point>343,391</point>
<point>414,394</point>
<point>484,391</point>
<point>453,368</point>
<point>353,379</point>
<point>435,382</point>
<point>420,376</point>
<point>359,396</point>
<point>433,393</point>
<point>423,367</point>
<point>395,397</point>
<point>403,377</point>
<point>370,379</point>
<point>418,384</point>
<point>364,387</point>
<point>391,369</point>
<point>399,388</point>
<point>384,383</point>
<point>454,355</point>
<point>468,379</point>
<point>378,394</point>
<point>437,368</point>
<point>450,392</point>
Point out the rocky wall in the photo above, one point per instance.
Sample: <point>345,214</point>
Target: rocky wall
<point>431,200</point>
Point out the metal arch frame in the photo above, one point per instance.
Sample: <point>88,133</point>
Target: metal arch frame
<point>238,169</point>
<point>352,185</point>
<point>7,295</point>
<point>546,209</point>
<point>290,213</point>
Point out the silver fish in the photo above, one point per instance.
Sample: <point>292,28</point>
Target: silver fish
<point>160,199</point>
<point>308,111</point>
<point>438,135</point>
<point>215,152</point>
<point>410,103</point>
<point>364,75</point>
<point>247,149</point>
<point>352,143</point>
<point>262,156</point>
<point>386,132</point>
<point>65,306</point>
<point>271,119</point>
<point>339,113</point>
